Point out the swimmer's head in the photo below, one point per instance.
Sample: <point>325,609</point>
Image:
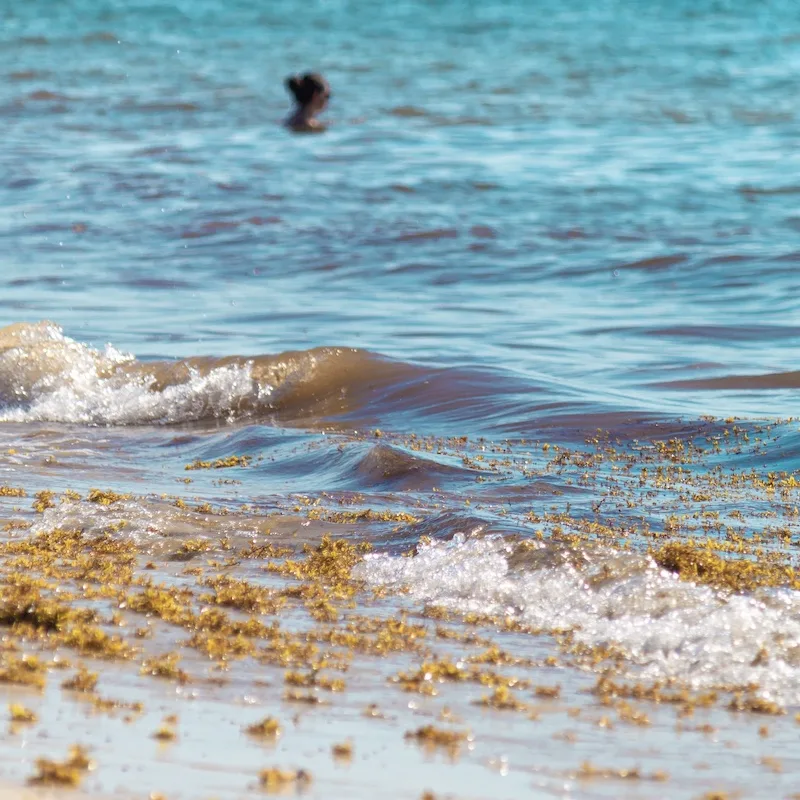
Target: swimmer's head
<point>311,91</point>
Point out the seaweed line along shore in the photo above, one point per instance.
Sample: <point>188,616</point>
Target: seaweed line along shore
<point>450,453</point>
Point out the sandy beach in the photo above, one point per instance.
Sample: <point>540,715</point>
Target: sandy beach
<point>449,452</point>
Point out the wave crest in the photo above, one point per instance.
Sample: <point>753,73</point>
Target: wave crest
<point>47,377</point>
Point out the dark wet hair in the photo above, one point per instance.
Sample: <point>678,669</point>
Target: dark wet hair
<point>304,87</point>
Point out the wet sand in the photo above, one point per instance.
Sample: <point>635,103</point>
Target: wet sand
<point>214,622</point>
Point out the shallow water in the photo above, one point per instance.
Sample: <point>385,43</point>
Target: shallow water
<point>537,281</point>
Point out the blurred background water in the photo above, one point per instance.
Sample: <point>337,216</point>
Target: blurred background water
<point>601,196</point>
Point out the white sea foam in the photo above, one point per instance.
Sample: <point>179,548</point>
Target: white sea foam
<point>669,628</point>
<point>48,377</point>
<point>95,401</point>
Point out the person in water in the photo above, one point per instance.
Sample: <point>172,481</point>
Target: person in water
<point>311,93</point>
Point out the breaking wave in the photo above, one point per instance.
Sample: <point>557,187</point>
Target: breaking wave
<point>670,629</point>
<point>47,377</point>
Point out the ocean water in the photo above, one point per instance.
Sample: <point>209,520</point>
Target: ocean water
<point>538,279</point>
<point>594,201</point>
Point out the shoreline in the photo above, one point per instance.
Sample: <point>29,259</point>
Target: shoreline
<point>416,699</point>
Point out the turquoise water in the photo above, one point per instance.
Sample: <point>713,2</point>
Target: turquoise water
<point>526,222</point>
<point>601,196</point>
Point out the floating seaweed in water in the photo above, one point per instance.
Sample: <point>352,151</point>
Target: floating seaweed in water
<point>221,463</point>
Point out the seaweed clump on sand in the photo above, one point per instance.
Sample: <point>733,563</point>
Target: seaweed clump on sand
<point>589,771</point>
<point>700,563</point>
<point>165,732</point>
<point>82,681</point>
<point>25,608</point>
<point>342,751</point>
<point>424,679</point>
<point>69,772</point>
<point>330,563</point>
<point>755,705</point>
<point>267,728</point>
<point>18,713</point>
<point>502,699</point>
<point>241,595</point>
<point>278,780</point>
<point>22,671</point>
<point>45,574</point>
<point>165,666</point>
